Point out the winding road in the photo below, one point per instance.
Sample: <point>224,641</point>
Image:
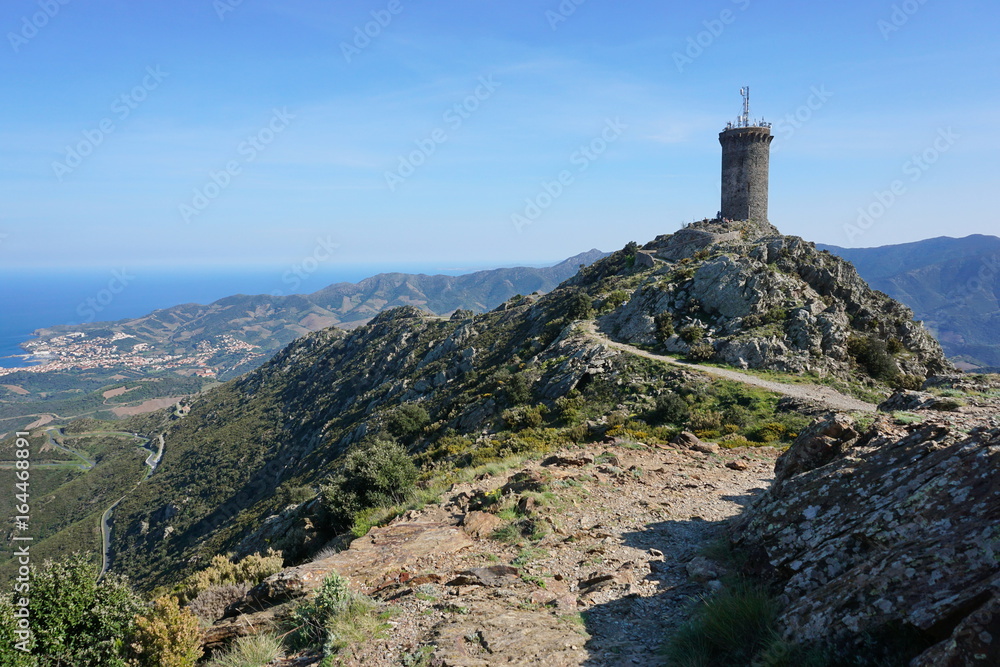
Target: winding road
<point>810,392</point>
<point>151,462</point>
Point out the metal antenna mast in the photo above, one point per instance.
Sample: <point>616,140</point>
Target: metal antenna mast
<point>745,118</point>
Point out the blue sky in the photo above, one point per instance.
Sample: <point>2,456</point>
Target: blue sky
<point>301,132</point>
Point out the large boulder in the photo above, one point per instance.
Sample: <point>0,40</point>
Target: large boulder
<point>890,535</point>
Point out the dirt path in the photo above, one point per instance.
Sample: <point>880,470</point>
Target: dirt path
<point>809,392</point>
<point>601,575</point>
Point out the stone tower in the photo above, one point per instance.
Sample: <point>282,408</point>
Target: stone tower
<point>746,151</point>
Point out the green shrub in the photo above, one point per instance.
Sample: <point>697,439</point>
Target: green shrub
<point>166,636</point>
<point>705,420</point>
<point>569,408</point>
<point>334,617</point>
<point>406,421</point>
<point>894,345</point>
<point>521,417</point>
<point>904,381</point>
<point>375,473</point>
<point>873,356</point>
<point>775,315</point>
<point>579,306</point>
<point>682,274</point>
<point>664,323</point>
<point>76,621</point>
<point>701,351</point>
<point>692,333</point>
<point>671,409</point>
<point>730,628</point>
<point>254,651</point>
<point>616,298</point>
<point>518,389</point>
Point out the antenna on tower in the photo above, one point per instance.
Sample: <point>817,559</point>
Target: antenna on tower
<point>745,118</point>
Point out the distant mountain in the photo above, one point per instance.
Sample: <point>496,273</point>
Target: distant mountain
<point>238,333</point>
<point>953,285</point>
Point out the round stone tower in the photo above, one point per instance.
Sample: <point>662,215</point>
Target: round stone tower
<point>746,152</point>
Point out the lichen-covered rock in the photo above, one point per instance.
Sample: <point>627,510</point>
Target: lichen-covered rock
<point>895,531</point>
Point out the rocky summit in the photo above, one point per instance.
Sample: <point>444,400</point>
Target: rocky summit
<point>744,295</point>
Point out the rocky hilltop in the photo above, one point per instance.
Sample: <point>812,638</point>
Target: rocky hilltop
<point>744,295</point>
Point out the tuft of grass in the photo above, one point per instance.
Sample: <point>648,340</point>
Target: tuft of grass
<point>253,651</point>
<point>729,628</point>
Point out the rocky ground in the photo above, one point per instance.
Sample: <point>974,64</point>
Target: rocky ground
<point>611,565</point>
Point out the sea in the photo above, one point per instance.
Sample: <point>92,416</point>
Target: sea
<point>35,299</point>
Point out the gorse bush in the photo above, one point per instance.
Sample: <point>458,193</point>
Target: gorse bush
<point>166,636</point>
<point>223,571</point>
<point>377,472</point>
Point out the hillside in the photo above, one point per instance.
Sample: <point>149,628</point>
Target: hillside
<point>289,422</point>
<point>953,285</point>
<point>342,431</point>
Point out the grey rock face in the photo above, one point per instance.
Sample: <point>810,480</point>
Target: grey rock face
<point>767,301</point>
<point>895,529</point>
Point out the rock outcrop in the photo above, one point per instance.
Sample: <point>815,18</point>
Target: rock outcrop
<point>763,300</point>
<point>888,537</point>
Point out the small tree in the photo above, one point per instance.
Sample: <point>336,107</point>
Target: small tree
<point>579,306</point>
<point>377,472</point>
<point>407,420</point>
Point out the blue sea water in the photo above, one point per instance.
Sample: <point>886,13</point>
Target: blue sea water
<point>33,299</point>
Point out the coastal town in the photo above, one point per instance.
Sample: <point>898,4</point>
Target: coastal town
<point>81,351</point>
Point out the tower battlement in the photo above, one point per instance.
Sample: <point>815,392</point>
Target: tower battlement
<point>746,152</point>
